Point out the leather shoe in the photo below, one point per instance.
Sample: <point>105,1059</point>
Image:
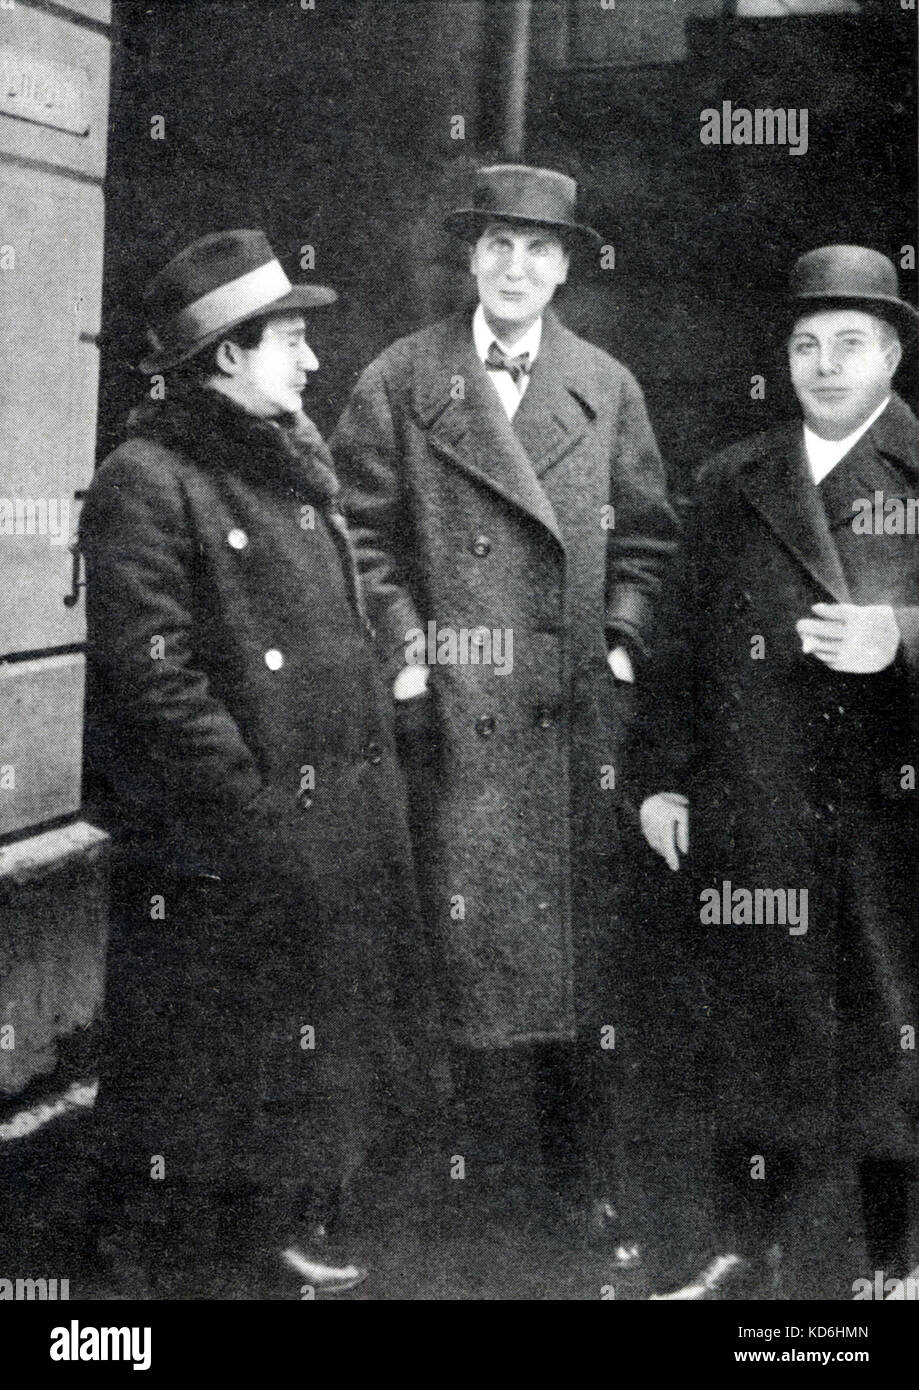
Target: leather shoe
<point>710,1284</point>
<point>323,1270</point>
<point>731,1276</point>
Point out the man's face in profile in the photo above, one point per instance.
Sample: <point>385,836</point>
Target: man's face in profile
<point>269,379</point>
<point>842,362</point>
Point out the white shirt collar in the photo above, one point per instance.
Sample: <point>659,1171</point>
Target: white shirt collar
<point>483,338</point>
<point>824,454</point>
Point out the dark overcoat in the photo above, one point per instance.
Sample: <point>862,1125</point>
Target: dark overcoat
<point>798,778</point>
<point>553,530</point>
<point>240,748</point>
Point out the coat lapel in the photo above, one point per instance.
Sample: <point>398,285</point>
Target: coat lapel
<point>778,485</point>
<point>883,458</point>
<point>466,423</point>
<point>555,413</point>
<point>288,454</point>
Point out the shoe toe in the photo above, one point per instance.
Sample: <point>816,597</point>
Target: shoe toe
<point>319,1273</point>
<point>722,1274</point>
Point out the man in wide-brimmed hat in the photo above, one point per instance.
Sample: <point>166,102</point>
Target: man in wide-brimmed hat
<point>510,513</point>
<point>796,690</point>
<point>240,740</point>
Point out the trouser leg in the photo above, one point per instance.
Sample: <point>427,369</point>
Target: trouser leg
<point>312,1140</point>
<point>573,1101</point>
<point>492,1088</point>
<point>888,1196</point>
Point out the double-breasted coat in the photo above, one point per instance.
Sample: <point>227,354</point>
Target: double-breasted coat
<point>549,532</point>
<point>798,778</point>
<point>240,747</point>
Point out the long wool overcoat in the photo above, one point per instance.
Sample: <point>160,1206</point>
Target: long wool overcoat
<point>239,735</point>
<point>799,779</point>
<point>549,532</point>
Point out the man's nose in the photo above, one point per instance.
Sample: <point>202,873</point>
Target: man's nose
<point>516,263</point>
<point>307,359</point>
<point>827,362</point>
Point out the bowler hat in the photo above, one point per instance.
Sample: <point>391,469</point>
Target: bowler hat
<point>851,277</point>
<point>521,195</point>
<point>216,283</point>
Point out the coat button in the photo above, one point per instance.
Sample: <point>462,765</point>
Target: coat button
<point>545,718</point>
<point>237,539</point>
<point>485,726</point>
<point>274,659</point>
<point>373,753</point>
<point>481,546</point>
<point>304,800</point>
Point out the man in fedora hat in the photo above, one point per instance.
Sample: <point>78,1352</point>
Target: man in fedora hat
<point>239,733</point>
<point>796,634</point>
<point>509,509</point>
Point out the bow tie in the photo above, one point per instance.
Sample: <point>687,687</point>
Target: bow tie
<point>496,360</point>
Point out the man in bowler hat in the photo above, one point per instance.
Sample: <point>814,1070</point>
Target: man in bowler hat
<point>789,722</point>
<point>239,735</point>
<point>509,510</point>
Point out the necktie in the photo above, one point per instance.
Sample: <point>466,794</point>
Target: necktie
<point>497,360</point>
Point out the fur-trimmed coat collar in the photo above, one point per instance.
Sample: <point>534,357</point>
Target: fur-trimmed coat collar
<point>217,433</point>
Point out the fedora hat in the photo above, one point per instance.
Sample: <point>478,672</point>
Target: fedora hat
<point>853,277</point>
<point>216,283</point>
<point>523,196</point>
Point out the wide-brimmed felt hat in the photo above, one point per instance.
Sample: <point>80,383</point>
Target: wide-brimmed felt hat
<point>523,196</point>
<point>217,282</point>
<point>850,277</point>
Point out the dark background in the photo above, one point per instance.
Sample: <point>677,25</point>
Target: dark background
<point>332,127</point>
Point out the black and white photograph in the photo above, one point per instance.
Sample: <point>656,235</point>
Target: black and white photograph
<point>459,661</point>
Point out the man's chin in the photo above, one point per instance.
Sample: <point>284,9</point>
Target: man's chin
<point>511,310</point>
<point>831,424</point>
<point>511,324</point>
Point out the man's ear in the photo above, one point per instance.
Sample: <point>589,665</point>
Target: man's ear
<point>470,252</point>
<point>228,356</point>
<point>893,355</point>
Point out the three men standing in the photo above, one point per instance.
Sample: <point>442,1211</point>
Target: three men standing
<point>789,720</point>
<point>508,506</point>
<point>511,529</point>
